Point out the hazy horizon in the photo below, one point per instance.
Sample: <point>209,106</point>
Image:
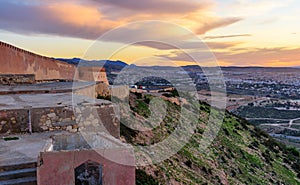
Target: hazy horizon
<point>241,66</point>
<point>238,33</point>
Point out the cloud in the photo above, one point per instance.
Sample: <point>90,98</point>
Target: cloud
<point>253,57</point>
<point>201,57</point>
<point>189,45</point>
<point>227,36</point>
<point>262,57</point>
<point>90,18</point>
<point>222,45</point>
<point>269,20</point>
<point>64,19</point>
<point>250,7</point>
<point>157,6</point>
<point>213,24</point>
<point>156,45</point>
<point>178,45</point>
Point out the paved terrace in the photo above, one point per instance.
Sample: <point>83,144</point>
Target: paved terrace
<point>53,87</point>
<point>20,101</point>
<point>28,147</point>
<point>24,150</point>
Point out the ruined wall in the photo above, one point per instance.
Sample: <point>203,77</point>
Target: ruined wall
<point>13,121</point>
<point>42,119</point>
<point>56,118</point>
<point>91,73</point>
<point>121,92</point>
<point>14,60</point>
<point>60,118</point>
<point>94,90</point>
<point>102,89</point>
<point>6,79</point>
<point>110,121</point>
<point>101,118</point>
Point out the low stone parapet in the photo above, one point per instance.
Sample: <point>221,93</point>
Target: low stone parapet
<point>11,79</point>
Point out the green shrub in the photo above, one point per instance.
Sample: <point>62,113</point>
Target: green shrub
<point>104,97</point>
<point>142,178</point>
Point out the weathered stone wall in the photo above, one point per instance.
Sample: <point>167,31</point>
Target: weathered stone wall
<point>120,92</point>
<point>13,121</point>
<point>42,119</point>
<point>10,79</point>
<point>49,119</point>
<point>98,118</point>
<point>103,89</point>
<point>92,91</point>
<point>14,60</point>
<point>101,117</point>
<point>110,120</point>
<point>91,73</point>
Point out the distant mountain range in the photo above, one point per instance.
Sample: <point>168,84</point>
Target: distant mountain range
<point>109,65</point>
<point>116,66</point>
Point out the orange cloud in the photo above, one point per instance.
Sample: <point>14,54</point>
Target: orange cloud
<point>48,17</point>
<point>216,23</point>
<point>254,57</point>
<point>86,20</point>
<point>74,13</point>
<point>157,6</point>
<point>89,19</point>
<point>222,45</point>
<point>227,36</point>
<point>262,57</point>
<point>189,45</point>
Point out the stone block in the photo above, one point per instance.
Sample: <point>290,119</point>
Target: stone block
<point>51,115</point>
<point>44,128</point>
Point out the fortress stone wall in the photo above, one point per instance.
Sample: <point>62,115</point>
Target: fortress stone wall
<point>58,118</point>
<point>14,60</point>
<point>9,79</point>
<point>91,73</point>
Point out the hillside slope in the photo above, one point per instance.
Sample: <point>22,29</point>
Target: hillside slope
<point>241,153</point>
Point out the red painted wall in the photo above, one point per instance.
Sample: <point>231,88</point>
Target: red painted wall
<point>57,168</point>
<point>14,60</point>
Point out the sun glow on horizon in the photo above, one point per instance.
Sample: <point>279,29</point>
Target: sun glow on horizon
<point>238,33</point>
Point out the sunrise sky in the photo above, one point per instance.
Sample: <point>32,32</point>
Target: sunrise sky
<point>238,32</point>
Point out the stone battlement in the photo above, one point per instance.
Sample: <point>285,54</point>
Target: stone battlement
<point>14,60</point>
<point>3,44</point>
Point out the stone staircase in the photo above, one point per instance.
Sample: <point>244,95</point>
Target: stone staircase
<point>18,174</point>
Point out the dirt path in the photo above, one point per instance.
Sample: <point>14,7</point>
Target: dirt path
<point>292,120</point>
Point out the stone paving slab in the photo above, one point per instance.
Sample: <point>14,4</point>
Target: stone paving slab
<point>43,87</point>
<point>24,150</point>
<point>20,101</point>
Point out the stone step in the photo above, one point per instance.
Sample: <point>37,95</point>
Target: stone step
<point>18,174</point>
<point>18,166</point>
<point>15,174</point>
<point>20,181</point>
